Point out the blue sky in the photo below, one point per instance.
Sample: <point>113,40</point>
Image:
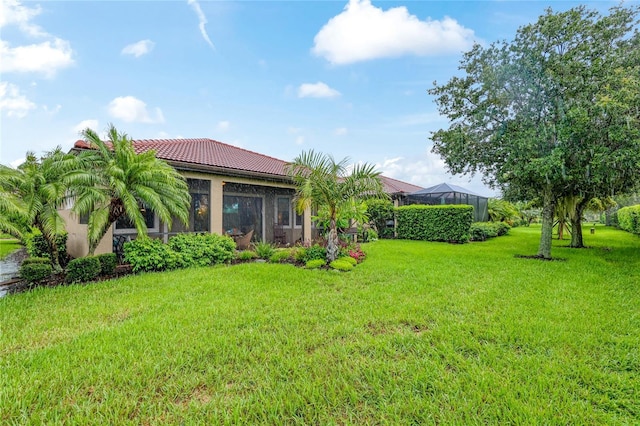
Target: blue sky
<point>348,78</point>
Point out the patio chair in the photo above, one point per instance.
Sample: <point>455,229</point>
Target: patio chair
<point>242,243</point>
<point>279,236</point>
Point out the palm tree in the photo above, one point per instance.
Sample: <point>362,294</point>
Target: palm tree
<point>122,181</point>
<point>42,186</point>
<point>325,185</point>
<point>13,213</point>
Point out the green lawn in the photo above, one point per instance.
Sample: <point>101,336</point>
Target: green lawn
<point>420,333</point>
<point>7,246</point>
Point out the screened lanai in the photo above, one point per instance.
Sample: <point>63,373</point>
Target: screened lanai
<point>446,193</point>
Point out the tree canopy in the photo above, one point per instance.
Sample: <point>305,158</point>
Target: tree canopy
<point>332,188</point>
<point>122,181</point>
<point>553,113</point>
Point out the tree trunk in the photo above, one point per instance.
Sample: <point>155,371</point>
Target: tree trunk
<point>333,243</point>
<point>53,248</point>
<point>576,224</point>
<point>548,207</point>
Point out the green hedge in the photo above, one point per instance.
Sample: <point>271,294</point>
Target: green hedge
<point>480,231</point>
<point>34,272</point>
<point>37,246</point>
<point>41,260</point>
<point>108,262</point>
<point>83,269</point>
<point>629,219</point>
<point>182,251</point>
<point>434,223</point>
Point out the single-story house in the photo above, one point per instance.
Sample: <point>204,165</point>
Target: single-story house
<point>233,191</point>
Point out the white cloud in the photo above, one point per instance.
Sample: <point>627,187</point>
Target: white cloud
<point>340,131</point>
<point>316,90</point>
<point>364,32</point>
<point>299,140</point>
<point>12,102</point>
<point>223,126</point>
<point>138,49</point>
<point>12,12</point>
<point>45,58</point>
<point>52,111</point>
<point>202,21</point>
<point>294,130</point>
<point>84,124</point>
<point>132,110</point>
<point>15,163</point>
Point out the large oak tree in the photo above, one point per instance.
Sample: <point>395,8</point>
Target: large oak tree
<point>552,113</point>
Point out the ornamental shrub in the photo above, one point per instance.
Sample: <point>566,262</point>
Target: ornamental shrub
<point>145,254</point>
<point>34,260</point>
<point>265,250</point>
<point>341,264</point>
<point>449,223</point>
<point>203,249</point>
<point>34,272</point>
<point>315,264</point>
<point>315,252</point>
<point>380,212</point>
<point>37,246</point>
<point>629,219</point>
<point>280,256</point>
<point>480,231</point>
<point>246,255</point>
<point>108,262</point>
<point>83,269</point>
<point>299,254</point>
<point>349,259</point>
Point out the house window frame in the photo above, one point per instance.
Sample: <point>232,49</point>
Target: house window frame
<point>154,230</point>
<point>290,210</point>
<point>262,210</point>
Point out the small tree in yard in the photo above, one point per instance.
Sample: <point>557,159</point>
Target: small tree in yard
<point>121,181</point>
<point>328,186</point>
<point>35,191</point>
<point>551,114</point>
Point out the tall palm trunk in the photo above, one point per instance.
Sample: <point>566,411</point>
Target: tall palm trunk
<point>333,242</point>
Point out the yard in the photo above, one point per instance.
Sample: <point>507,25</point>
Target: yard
<point>419,333</point>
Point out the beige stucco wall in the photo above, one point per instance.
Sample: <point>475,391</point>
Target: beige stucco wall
<point>77,244</point>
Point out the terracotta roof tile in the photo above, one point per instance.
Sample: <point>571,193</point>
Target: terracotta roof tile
<point>394,186</point>
<point>209,152</point>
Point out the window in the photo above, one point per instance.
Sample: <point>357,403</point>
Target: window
<point>242,214</point>
<point>298,219</point>
<point>125,224</point>
<point>283,211</point>
<point>200,209</point>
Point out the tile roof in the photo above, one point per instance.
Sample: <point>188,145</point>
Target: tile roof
<point>208,152</point>
<point>394,186</point>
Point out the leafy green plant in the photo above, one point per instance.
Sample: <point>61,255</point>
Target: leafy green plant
<point>151,255</point>
<point>341,264</point>
<point>380,212</point>
<point>629,219</point>
<point>36,260</point>
<point>34,272</point>
<point>203,249</point>
<point>480,231</point>
<point>38,246</point>
<point>108,262</point>
<point>83,269</point>
<point>299,254</point>
<point>280,256</point>
<point>314,252</point>
<point>315,263</point>
<point>349,259</point>
<point>264,250</point>
<point>246,255</point>
<point>448,223</point>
